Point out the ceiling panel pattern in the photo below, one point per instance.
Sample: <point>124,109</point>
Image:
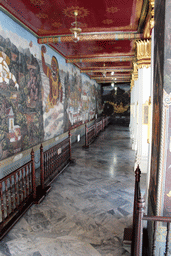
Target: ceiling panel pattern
<point>109,29</point>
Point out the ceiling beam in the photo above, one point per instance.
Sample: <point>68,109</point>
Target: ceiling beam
<point>96,70</point>
<point>113,76</point>
<point>101,59</point>
<point>108,82</point>
<point>91,37</point>
<point>110,78</point>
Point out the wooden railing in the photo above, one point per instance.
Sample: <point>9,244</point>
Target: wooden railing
<point>135,234</point>
<point>92,131</point>
<point>99,127</point>
<point>54,160</point>
<point>18,190</point>
<point>17,193</point>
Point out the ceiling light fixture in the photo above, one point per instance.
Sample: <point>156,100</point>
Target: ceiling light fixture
<point>75,30</point>
<point>104,72</point>
<point>112,84</point>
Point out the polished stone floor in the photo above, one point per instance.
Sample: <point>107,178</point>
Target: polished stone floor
<point>88,207</point>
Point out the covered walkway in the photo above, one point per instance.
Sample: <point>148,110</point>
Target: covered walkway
<point>88,207</point>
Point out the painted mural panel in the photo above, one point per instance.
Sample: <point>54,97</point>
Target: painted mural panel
<point>40,95</point>
<point>21,122</point>
<point>53,107</point>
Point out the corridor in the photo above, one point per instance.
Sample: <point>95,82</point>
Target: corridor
<point>88,207</point>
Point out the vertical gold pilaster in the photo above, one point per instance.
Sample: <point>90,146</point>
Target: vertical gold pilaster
<point>134,74</point>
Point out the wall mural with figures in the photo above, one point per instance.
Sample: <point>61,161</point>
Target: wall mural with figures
<point>41,96</point>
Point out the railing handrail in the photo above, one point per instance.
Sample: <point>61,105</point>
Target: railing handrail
<point>156,218</point>
<point>13,172</point>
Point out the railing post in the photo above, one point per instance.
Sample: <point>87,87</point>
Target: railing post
<point>33,175</point>
<point>95,128</point>
<point>139,230</point>
<point>103,123</point>
<point>86,142</point>
<point>69,135</point>
<point>137,181</point>
<point>42,175</point>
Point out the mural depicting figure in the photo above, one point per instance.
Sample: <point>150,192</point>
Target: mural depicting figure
<point>5,74</point>
<point>55,94</point>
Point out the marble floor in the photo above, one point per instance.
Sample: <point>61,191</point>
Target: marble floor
<point>88,207</point>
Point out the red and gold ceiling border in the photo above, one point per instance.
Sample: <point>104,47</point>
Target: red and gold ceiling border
<point>104,59</point>
<point>110,55</point>
<point>110,78</point>
<point>106,70</point>
<point>91,37</point>
<point>103,80</point>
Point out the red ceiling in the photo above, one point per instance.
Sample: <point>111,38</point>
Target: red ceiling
<point>54,17</point>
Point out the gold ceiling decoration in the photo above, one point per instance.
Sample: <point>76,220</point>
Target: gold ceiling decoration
<point>56,24</point>
<point>37,2</point>
<point>82,12</point>
<point>143,53</point>
<point>95,48</point>
<point>42,15</point>
<point>112,9</point>
<point>107,22</point>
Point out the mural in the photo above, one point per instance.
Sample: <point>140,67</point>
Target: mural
<point>21,123</point>
<point>40,95</point>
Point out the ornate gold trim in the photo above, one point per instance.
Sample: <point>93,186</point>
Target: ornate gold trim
<point>143,53</point>
<point>134,74</point>
<point>152,13</point>
<point>149,20</point>
<point>102,59</point>
<point>89,36</point>
<point>107,70</point>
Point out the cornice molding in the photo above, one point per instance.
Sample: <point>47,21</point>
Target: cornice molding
<point>102,59</point>
<point>101,70</point>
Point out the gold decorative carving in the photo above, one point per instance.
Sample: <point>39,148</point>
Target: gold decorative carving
<point>149,20</point>
<point>152,13</point>
<point>143,53</point>
<point>82,12</point>
<point>134,74</point>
